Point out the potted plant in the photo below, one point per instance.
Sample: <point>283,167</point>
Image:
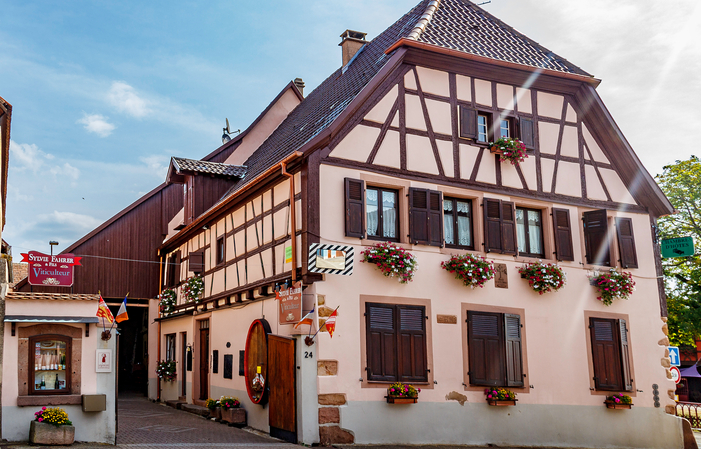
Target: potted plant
<point>508,149</point>
<point>471,269</point>
<point>613,285</point>
<point>51,427</point>
<point>543,277</point>
<point>231,411</point>
<point>392,261</point>
<point>167,300</point>
<point>500,396</point>
<point>166,370</point>
<point>399,393</point>
<point>192,289</point>
<point>618,401</point>
<point>214,408</point>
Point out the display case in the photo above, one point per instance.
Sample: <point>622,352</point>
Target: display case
<point>50,366</point>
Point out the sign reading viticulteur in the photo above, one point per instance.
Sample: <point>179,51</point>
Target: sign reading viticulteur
<point>50,271</point>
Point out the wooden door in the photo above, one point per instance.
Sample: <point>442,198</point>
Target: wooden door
<point>204,364</point>
<point>282,415</point>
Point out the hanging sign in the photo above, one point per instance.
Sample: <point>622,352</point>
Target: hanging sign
<point>290,304</point>
<point>50,271</point>
<point>330,259</point>
<point>679,247</point>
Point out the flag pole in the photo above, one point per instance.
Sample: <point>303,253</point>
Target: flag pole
<point>324,323</point>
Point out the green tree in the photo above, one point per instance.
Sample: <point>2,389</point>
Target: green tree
<point>681,182</point>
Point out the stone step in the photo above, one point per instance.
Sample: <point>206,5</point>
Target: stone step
<point>175,403</point>
<point>196,409</point>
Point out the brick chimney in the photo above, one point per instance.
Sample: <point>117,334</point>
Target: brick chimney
<point>351,42</point>
<point>300,85</point>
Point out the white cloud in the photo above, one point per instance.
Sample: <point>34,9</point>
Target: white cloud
<point>97,124</point>
<point>125,99</point>
<point>157,164</point>
<point>27,156</point>
<point>66,170</point>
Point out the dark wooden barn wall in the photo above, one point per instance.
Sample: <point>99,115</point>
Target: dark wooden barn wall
<point>208,191</point>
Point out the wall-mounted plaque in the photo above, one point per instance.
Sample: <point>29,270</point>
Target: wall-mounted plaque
<point>290,304</point>
<point>501,279</point>
<point>103,364</point>
<point>215,361</point>
<point>228,366</point>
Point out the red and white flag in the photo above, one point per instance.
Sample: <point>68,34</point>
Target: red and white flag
<point>331,323</point>
<point>104,313</point>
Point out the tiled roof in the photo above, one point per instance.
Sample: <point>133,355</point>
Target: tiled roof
<point>19,272</point>
<point>461,25</point>
<point>214,168</point>
<point>51,296</point>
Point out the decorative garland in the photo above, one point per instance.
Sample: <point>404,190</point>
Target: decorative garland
<point>613,285</point>
<point>543,277</point>
<point>392,261</point>
<point>167,298</point>
<point>192,289</point>
<point>166,370</point>
<point>512,150</point>
<point>471,269</point>
<point>400,390</point>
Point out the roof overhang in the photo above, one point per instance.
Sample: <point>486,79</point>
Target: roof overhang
<point>50,319</point>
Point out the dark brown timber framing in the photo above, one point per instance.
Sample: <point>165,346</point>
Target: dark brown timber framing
<point>658,267</point>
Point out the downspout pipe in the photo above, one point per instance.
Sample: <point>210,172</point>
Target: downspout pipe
<point>160,291</point>
<point>293,218</point>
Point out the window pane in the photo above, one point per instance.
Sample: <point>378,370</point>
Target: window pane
<point>482,128</point>
<point>448,222</point>
<point>505,128</point>
<point>50,365</point>
<point>389,214</point>
<point>372,212</point>
<point>534,232</point>
<point>521,231</point>
<point>464,224</point>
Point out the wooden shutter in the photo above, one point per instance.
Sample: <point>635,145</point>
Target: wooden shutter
<point>596,240</point>
<point>626,243</point>
<point>355,208</point>
<point>508,228</point>
<point>485,346</point>
<point>381,342</point>
<point>412,344</point>
<point>563,234</point>
<point>606,354</point>
<point>526,131</point>
<point>173,270</point>
<point>492,225</point>
<point>418,216</point>
<point>514,365</point>
<point>196,262</point>
<point>625,356</point>
<point>435,218</point>
<point>468,123</point>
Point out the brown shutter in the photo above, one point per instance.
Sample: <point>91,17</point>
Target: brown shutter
<point>412,344</point>
<point>468,122</point>
<point>606,354</point>
<point>418,216</point>
<point>381,342</point>
<point>626,243</point>
<point>563,234</point>
<point>435,218</point>
<point>514,365</point>
<point>596,240</point>
<point>625,356</point>
<point>485,346</point>
<point>527,133</point>
<point>508,228</point>
<point>196,262</point>
<point>355,208</point>
<point>492,225</point>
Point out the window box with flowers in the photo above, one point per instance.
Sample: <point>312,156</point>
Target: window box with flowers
<point>500,397</point>
<point>392,261</point>
<point>166,370</point>
<point>399,393</point>
<point>613,285</point>
<point>193,289</point>
<point>471,269</point>
<point>543,277</point>
<point>618,401</point>
<point>51,427</point>
<point>508,149</point>
<point>167,300</point>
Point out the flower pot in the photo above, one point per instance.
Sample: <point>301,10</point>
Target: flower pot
<point>501,403</point>
<point>50,435</point>
<point>234,416</point>
<point>215,413</point>
<point>495,149</point>
<point>617,406</point>
<point>398,400</point>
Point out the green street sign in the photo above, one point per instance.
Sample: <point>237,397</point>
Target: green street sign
<point>679,247</point>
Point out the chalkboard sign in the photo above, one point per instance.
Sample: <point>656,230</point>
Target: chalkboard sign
<point>215,361</point>
<point>189,358</point>
<point>242,363</point>
<point>228,366</point>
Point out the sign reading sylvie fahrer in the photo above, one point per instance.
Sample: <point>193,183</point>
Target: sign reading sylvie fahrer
<point>50,271</point>
<point>290,304</point>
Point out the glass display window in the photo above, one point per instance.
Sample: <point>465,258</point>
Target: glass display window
<point>49,368</point>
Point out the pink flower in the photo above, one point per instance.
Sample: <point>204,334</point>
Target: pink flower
<point>43,408</point>
<point>40,419</point>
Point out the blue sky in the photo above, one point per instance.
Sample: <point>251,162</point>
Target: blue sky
<point>105,92</point>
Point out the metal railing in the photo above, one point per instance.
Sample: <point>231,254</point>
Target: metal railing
<point>690,411</point>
